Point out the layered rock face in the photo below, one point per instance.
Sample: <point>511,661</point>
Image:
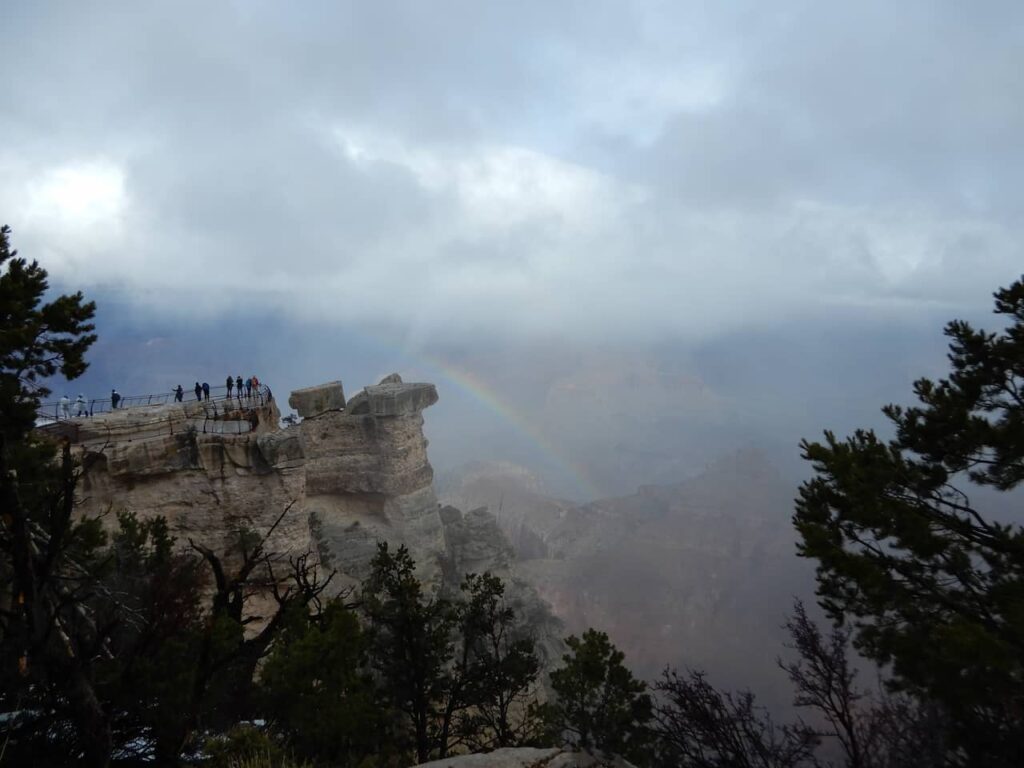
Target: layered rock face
<point>352,473</point>
<point>199,465</point>
<point>367,479</point>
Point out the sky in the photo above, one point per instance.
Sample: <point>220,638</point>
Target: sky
<point>621,237</point>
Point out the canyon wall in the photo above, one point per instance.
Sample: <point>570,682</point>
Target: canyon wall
<point>349,474</point>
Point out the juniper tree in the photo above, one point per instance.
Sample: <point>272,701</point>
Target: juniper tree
<point>501,670</point>
<point>598,703</point>
<point>410,643</point>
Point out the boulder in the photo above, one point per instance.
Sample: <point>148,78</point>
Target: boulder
<point>399,399</point>
<point>312,401</point>
<point>391,378</point>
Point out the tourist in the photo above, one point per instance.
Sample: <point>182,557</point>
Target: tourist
<point>65,407</point>
<point>230,383</point>
<point>206,391</point>
<point>248,387</point>
<point>238,387</point>
<point>81,409</point>
<point>115,398</point>
<point>199,391</point>
<point>179,394</point>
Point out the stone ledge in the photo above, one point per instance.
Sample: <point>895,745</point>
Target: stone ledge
<point>393,399</point>
<point>312,401</point>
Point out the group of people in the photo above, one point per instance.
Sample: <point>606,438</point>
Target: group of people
<point>245,388</point>
<point>81,406</point>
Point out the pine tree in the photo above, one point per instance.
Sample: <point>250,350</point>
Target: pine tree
<point>47,641</point>
<point>934,586</point>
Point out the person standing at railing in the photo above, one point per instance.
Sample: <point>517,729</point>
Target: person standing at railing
<point>65,407</point>
<point>248,388</point>
<point>179,394</point>
<point>206,391</point>
<point>81,409</point>
<point>230,383</point>
<point>238,387</point>
<point>199,392</point>
<point>115,398</point>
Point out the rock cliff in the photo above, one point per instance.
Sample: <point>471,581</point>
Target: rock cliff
<point>351,473</point>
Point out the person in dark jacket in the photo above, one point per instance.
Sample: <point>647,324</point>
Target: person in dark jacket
<point>199,391</point>
<point>179,394</point>
<point>206,391</point>
<point>230,383</point>
<point>248,387</point>
<point>115,398</point>
<point>238,387</point>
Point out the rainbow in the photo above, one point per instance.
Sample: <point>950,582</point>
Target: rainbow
<point>484,394</point>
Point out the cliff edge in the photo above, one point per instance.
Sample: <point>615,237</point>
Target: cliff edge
<point>350,474</point>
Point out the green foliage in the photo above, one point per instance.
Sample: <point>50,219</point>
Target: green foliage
<point>148,681</point>
<point>37,339</point>
<point>316,692</point>
<point>462,672</point>
<point>47,560</point>
<point>245,746</point>
<point>599,704</point>
<point>501,668</point>
<point>933,586</point>
<point>411,643</point>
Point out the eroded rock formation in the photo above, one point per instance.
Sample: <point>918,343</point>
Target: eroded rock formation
<point>351,473</point>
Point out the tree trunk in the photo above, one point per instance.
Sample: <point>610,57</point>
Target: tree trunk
<point>422,738</point>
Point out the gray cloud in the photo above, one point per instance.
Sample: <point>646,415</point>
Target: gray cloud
<point>585,168</point>
<point>528,177</point>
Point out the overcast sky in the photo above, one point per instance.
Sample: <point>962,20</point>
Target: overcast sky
<point>520,176</point>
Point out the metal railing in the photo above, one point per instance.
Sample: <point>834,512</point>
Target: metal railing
<point>52,410</point>
<point>219,415</point>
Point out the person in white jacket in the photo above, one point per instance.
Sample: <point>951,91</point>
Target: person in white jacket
<point>65,407</point>
<point>81,409</point>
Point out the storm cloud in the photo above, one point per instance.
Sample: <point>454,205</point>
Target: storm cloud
<point>649,176</point>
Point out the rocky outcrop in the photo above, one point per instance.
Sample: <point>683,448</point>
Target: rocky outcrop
<point>392,397</point>
<point>350,475</point>
<point>348,480</point>
<point>313,401</point>
<point>208,468</point>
